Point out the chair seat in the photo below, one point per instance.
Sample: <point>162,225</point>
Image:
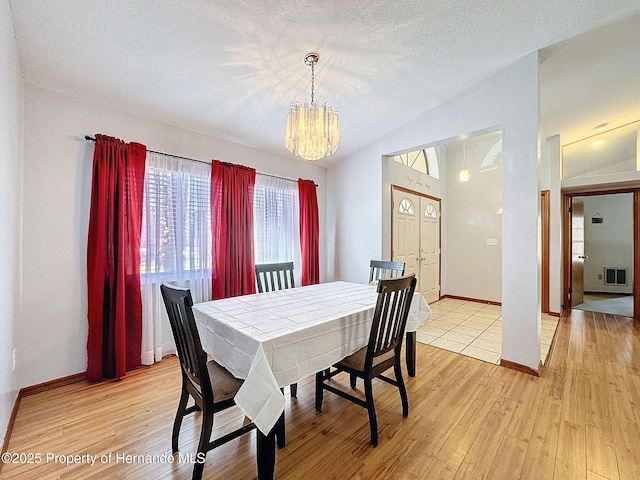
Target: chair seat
<point>356,360</point>
<point>225,386</point>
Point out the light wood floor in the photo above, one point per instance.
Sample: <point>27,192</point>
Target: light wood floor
<point>468,419</point>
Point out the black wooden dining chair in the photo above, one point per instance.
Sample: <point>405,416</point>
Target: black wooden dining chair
<point>274,276</point>
<point>381,353</point>
<point>380,269</point>
<point>210,385</point>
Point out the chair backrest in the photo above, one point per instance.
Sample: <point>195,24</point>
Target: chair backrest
<point>193,359</point>
<point>390,316</point>
<point>274,276</point>
<point>381,269</point>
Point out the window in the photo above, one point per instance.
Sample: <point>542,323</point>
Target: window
<point>276,213</point>
<point>424,160</point>
<point>176,226</point>
<point>176,232</point>
<point>406,207</point>
<point>430,211</point>
<point>176,237</point>
<point>175,244</point>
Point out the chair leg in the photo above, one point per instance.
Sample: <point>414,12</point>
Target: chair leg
<point>353,381</point>
<point>177,423</point>
<point>293,388</point>
<point>403,391</point>
<point>373,421</point>
<point>410,353</point>
<point>205,438</point>
<point>319,392</point>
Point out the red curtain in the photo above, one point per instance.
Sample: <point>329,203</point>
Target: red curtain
<point>233,270</point>
<point>309,232</point>
<point>113,258</point>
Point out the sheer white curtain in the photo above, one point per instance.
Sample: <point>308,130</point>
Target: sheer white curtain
<point>176,243</point>
<point>276,210</point>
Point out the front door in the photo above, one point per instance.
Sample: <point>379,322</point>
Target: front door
<point>429,259</point>
<point>416,239</point>
<point>406,237</point>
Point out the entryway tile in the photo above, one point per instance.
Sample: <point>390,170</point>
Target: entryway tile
<point>448,345</point>
<point>475,329</point>
<point>481,354</point>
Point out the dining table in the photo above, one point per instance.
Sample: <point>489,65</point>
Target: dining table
<point>278,338</point>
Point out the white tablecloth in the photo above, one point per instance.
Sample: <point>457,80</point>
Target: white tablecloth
<point>277,338</point>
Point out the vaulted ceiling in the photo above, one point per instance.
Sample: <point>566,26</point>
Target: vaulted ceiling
<point>231,68</point>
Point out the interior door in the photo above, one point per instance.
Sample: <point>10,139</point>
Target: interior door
<point>577,251</point>
<point>545,214</point>
<point>429,259</point>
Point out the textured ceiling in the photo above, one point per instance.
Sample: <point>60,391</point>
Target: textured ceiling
<point>231,68</point>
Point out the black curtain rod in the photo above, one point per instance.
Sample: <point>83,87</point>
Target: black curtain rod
<point>92,139</point>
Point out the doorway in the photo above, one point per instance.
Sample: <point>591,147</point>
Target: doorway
<point>416,238</point>
<point>600,238</point>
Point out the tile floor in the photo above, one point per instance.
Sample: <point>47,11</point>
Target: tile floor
<point>474,329</point>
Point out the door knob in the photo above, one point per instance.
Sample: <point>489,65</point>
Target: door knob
<point>583,256</point>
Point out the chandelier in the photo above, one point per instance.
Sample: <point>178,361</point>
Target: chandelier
<point>312,130</point>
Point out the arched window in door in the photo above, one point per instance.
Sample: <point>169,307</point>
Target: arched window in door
<point>406,207</point>
<point>430,211</point>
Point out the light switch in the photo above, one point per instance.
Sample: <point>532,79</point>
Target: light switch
<point>492,241</point>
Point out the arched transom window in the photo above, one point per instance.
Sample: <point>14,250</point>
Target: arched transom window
<point>424,160</point>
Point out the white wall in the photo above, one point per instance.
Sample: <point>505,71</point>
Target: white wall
<point>354,215</point>
<point>608,244</point>
<point>57,179</point>
<point>474,268</point>
<point>11,131</point>
<point>508,101</point>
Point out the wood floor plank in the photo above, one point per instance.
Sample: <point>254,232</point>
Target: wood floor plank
<point>541,452</point>
<point>600,442</point>
<point>571,459</point>
<point>509,460</point>
<point>626,433</point>
<point>479,459</point>
<point>457,445</point>
<point>439,470</point>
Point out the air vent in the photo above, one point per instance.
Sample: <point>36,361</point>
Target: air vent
<point>615,276</point>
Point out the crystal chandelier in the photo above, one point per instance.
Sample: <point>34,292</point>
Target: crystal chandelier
<point>312,130</point>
